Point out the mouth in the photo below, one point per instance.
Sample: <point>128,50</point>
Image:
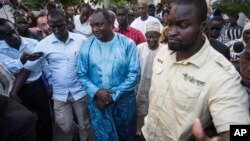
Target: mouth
<point>172,41</point>
<point>97,34</point>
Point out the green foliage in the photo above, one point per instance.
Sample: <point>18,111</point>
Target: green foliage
<point>34,4</point>
<point>40,4</point>
<point>66,3</point>
<point>116,2</point>
<point>235,6</point>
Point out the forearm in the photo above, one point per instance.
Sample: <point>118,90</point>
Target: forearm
<point>20,80</point>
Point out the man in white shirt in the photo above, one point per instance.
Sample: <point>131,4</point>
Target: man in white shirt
<point>147,53</point>
<point>82,24</point>
<point>61,50</point>
<point>15,51</point>
<point>141,22</point>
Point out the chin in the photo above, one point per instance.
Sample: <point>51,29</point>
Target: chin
<point>175,47</point>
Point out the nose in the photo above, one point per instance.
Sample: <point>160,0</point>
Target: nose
<point>172,31</point>
<point>95,28</point>
<point>140,9</point>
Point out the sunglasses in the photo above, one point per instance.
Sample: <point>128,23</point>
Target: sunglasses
<point>215,28</point>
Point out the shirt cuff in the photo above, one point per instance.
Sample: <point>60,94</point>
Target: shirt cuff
<point>115,95</point>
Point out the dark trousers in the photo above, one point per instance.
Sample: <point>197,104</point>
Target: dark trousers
<point>17,123</point>
<point>35,98</point>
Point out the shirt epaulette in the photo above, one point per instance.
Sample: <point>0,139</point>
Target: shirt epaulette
<point>226,65</point>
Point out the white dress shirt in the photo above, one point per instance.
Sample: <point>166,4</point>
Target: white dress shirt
<point>82,28</point>
<point>10,57</point>
<point>62,61</point>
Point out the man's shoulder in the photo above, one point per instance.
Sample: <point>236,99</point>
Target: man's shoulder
<point>138,19</point>
<point>134,30</point>
<point>151,18</point>
<point>142,45</point>
<point>77,36</point>
<point>124,38</point>
<point>76,17</point>
<point>220,65</point>
<point>29,40</point>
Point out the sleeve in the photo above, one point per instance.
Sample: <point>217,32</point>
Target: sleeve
<point>13,65</point>
<point>133,77</point>
<point>83,72</point>
<point>46,70</point>
<point>228,103</point>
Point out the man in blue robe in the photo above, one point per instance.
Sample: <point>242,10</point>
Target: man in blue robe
<point>109,71</point>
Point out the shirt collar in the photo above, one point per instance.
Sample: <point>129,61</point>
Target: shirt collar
<point>199,58</point>
<point>55,40</point>
<point>24,43</point>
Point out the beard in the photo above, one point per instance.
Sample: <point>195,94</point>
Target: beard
<point>178,47</point>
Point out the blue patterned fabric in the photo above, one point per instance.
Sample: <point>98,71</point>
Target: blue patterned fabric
<point>111,65</point>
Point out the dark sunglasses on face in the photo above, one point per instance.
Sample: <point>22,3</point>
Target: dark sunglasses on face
<point>215,28</point>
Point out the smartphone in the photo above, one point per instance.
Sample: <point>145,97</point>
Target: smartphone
<point>36,54</point>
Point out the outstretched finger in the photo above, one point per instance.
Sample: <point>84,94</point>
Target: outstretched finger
<point>198,130</point>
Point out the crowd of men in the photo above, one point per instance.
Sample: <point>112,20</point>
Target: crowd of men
<point>170,74</point>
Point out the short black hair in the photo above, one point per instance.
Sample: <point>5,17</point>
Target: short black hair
<point>87,6</point>
<point>151,6</point>
<point>201,7</point>
<point>56,13</point>
<point>105,14</point>
<point>217,18</point>
<point>125,8</point>
<point>21,15</point>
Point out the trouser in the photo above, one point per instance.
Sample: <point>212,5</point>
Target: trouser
<point>63,112</point>
<point>17,123</point>
<point>35,98</point>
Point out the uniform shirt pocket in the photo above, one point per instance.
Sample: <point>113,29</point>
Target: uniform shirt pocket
<point>186,96</point>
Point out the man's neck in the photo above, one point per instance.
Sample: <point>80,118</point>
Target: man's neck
<point>144,18</point>
<point>185,54</point>
<point>65,38</point>
<point>109,38</point>
<point>123,28</point>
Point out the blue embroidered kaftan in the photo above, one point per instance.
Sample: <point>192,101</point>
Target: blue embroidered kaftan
<point>111,65</point>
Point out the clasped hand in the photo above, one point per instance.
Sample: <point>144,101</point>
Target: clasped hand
<point>103,98</point>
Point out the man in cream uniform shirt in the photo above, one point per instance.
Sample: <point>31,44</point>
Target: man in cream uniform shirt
<point>191,80</point>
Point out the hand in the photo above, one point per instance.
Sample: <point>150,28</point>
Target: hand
<point>35,56</point>
<point>24,58</point>
<point>13,95</point>
<point>99,104</point>
<point>199,133</point>
<point>104,95</point>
